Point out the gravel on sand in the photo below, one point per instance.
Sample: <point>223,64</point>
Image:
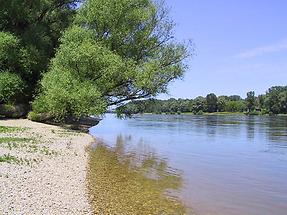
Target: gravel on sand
<point>48,174</point>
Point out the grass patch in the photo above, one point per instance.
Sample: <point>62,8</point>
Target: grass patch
<point>43,150</point>
<point>15,139</point>
<point>9,159</point>
<point>66,133</point>
<point>215,113</point>
<point>224,113</point>
<point>30,144</point>
<point>7,129</point>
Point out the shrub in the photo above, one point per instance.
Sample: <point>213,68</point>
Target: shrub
<point>11,87</point>
<point>38,117</point>
<point>253,113</point>
<point>200,112</point>
<point>13,111</point>
<point>9,47</point>
<point>264,112</point>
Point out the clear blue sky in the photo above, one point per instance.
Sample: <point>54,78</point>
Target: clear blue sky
<point>241,45</point>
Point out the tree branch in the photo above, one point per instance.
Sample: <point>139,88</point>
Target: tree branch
<point>128,98</point>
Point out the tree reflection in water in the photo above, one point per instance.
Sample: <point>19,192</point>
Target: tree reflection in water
<point>125,180</point>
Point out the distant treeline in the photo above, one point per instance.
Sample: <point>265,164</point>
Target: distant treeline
<point>273,102</point>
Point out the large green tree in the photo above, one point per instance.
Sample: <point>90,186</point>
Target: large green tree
<point>250,101</point>
<point>121,50</point>
<point>276,99</point>
<point>199,104</point>
<point>211,103</point>
<point>221,103</point>
<point>29,35</point>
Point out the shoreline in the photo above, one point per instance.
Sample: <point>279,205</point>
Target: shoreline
<point>45,169</point>
<point>210,114</point>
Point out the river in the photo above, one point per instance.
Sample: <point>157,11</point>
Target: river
<point>229,165</point>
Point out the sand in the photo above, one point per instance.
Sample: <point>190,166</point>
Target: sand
<point>50,175</point>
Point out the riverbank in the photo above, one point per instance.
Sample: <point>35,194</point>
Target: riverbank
<point>216,113</point>
<point>203,113</point>
<point>42,169</point>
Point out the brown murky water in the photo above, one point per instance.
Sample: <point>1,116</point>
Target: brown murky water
<point>214,165</point>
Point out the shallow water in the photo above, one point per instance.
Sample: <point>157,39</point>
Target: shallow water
<point>229,165</point>
<point>122,182</point>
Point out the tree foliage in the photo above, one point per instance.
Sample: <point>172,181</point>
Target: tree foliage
<point>64,96</point>
<point>211,102</point>
<point>11,87</point>
<point>276,101</point>
<point>250,101</point>
<point>273,102</point>
<point>29,33</point>
<point>124,50</point>
<point>9,51</point>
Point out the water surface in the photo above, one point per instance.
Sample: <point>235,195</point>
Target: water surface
<point>229,165</point>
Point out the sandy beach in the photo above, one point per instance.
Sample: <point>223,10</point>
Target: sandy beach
<point>44,171</point>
